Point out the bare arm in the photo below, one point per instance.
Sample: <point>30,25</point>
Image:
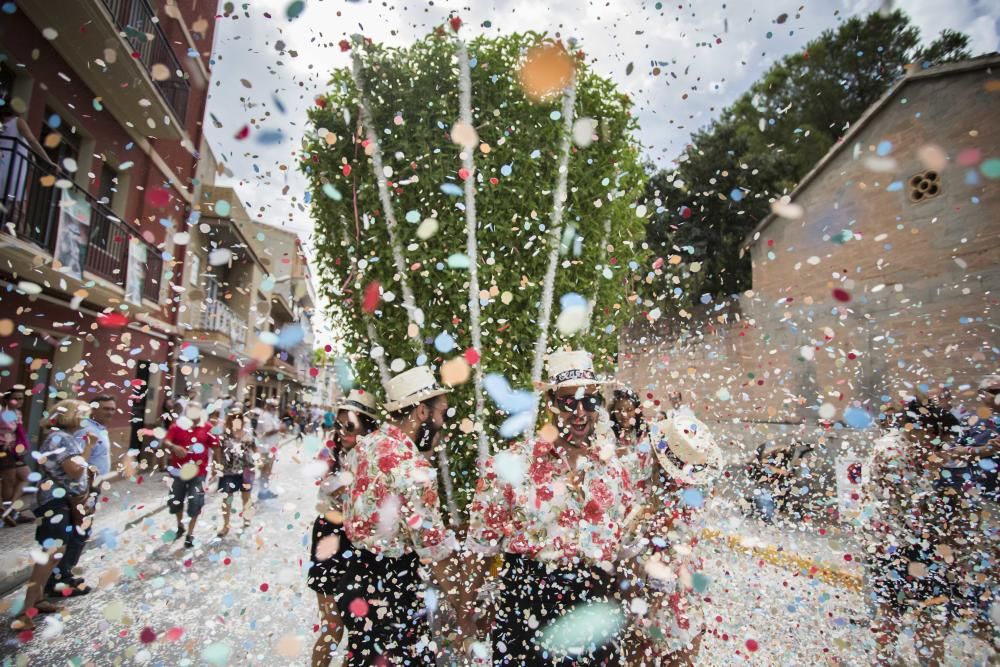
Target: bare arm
<point>29,136</point>
<point>173,447</point>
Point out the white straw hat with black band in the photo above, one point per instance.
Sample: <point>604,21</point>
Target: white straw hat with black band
<point>685,448</point>
<point>411,387</point>
<point>359,400</point>
<point>570,368</point>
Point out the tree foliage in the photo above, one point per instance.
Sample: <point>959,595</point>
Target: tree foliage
<point>413,93</point>
<point>767,140</point>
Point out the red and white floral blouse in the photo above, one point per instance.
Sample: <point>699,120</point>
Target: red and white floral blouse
<point>524,505</point>
<point>390,498</point>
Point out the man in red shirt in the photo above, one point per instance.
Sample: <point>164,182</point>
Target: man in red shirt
<point>191,447</point>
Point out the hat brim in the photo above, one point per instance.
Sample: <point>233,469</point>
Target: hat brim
<point>351,407</point>
<point>577,382</point>
<point>413,399</point>
<point>705,472</point>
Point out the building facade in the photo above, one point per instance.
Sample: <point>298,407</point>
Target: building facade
<point>245,317</point>
<point>885,286</point>
<point>96,195</point>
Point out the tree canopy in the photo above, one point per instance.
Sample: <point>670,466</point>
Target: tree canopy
<point>766,141</point>
<point>414,102</point>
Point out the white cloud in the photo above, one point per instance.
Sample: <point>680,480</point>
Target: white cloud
<point>710,54</point>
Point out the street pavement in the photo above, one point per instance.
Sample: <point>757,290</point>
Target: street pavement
<point>242,599</point>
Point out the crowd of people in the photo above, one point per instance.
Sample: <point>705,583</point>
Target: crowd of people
<point>195,445</point>
<point>598,511</point>
<point>931,515</point>
<point>595,513</point>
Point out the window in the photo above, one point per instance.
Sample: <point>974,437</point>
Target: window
<point>108,185</point>
<point>59,137</point>
<point>193,277</point>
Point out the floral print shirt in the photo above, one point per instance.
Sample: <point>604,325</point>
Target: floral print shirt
<point>525,505</point>
<point>671,563</point>
<point>390,498</point>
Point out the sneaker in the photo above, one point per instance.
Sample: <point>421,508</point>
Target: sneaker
<point>189,542</point>
<point>266,494</point>
<point>179,534</point>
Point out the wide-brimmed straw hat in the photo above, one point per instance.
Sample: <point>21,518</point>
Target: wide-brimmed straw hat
<point>572,368</point>
<point>411,387</point>
<point>359,400</point>
<point>685,448</point>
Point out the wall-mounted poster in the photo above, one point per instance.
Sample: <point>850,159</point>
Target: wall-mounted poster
<point>71,240</point>
<point>136,272</point>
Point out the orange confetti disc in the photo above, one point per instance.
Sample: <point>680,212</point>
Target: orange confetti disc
<point>546,71</point>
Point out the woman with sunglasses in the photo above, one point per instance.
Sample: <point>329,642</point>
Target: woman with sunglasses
<point>356,417</point>
<point>632,435</point>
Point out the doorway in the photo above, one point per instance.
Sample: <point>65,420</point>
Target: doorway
<point>140,394</point>
<point>33,372</point>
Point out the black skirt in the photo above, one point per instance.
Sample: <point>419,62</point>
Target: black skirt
<point>324,575</point>
<point>530,591</point>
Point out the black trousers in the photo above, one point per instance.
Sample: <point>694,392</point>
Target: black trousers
<point>377,598</point>
<point>63,571</point>
<point>532,596</point>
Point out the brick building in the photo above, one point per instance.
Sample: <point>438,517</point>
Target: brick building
<point>247,287</point>
<point>90,256</point>
<point>885,283</point>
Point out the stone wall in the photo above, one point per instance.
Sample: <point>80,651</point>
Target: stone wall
<point>866,299</point>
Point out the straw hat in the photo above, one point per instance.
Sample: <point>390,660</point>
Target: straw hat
<point>574,368</point>
<point>685,448</point>
<point>359,400</point>
<point>411,387</point>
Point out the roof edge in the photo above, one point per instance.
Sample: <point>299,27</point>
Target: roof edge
<point>984,61</point>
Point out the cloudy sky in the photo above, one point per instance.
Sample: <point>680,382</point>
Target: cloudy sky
<point>269,68</point>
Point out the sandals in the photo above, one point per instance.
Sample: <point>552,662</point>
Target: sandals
<point>22,623</point>
<point>73,591</point>
<point>49,607</point>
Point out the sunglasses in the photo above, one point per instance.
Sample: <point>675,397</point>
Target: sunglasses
<point>590,402</point>
<point>349,427</point>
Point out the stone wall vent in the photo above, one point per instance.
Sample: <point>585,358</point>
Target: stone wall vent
<point>925,185</point>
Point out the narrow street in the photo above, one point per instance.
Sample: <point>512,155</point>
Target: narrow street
<point>242,599</point>
<point>237,600</point>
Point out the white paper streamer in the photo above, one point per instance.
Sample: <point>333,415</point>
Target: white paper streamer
<point>555,236</point>
<point>472,245</point>
<point>383,192</point>
<point>414,314</point>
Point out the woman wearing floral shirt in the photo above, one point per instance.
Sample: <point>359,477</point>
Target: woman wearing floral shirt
<point>555,506</point>
<point>391,516</point>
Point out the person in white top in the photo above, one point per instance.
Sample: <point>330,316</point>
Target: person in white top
<point>269,429</point>
<point>16,138</point>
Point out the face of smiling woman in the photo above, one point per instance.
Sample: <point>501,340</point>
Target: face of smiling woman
<point>575,410</point>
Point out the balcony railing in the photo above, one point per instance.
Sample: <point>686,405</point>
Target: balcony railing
<point>134,18</point>
<point>32,210</point>
<point>219,317</point>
